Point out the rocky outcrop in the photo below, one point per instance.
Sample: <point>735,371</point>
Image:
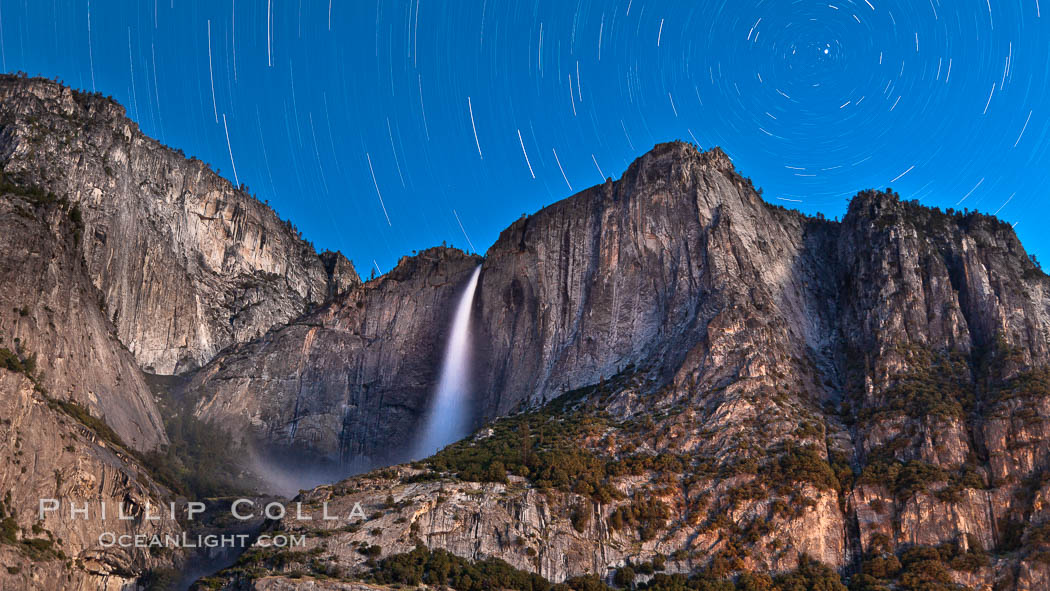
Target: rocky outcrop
<point>341,273</point>
<point>49,454</point>
<point>533,530</point>
<point>186,263</point>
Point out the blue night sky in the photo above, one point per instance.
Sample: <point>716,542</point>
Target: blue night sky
<point>383,127</point>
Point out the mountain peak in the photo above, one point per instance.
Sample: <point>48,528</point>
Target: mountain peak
<point>680,151</point>
<point>873,203</point>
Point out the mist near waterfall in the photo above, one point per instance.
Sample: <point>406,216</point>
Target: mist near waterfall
<point>286,472</point>
<point>448,418</point>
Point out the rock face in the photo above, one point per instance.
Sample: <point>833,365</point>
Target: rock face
<point>891,366</point>
<point>119,255</point>
<point>350,378</point>
<point>532,530</point>
<point>52,314</point>
<point>47,453</point>
<point>74,407</point>
<point>634,272</point>
<point>187,264</point>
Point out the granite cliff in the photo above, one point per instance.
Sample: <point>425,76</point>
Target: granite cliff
<point>120,259</point>
<point>186,263</point>
<point>62,369</point>
<point>749,386</point>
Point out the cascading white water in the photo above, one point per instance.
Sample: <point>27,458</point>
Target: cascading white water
<point>448,417</point>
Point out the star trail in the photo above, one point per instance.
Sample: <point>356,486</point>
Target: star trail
<point>384,127</point>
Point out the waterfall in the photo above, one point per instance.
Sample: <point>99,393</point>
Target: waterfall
<point>448,417</point>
